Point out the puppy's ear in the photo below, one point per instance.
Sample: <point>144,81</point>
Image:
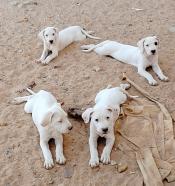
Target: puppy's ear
<point>117,110</point>
<point>87,114</point>
<point>41,34</point>
<point>47,119</point>
<point>114,110</point>
<point>157,38</point>
<point>140,44</point>
<point>110,109</point>
<point>56,29</point>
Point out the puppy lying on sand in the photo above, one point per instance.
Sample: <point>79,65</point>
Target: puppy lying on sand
<point>55,41</point>
<point>50,120</point>
<point>102,118</point>
<point>143,56</point>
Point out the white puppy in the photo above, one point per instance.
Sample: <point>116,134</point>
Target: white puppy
<point>102,118</point>
<point>50,120</point>
<point>143,56</point>
<point>54,41</point>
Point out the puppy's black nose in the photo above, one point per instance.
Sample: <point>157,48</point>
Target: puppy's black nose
<point>153,51</point>
<point>105,130</point>
<point>51,41</point>
<point>70,128</point>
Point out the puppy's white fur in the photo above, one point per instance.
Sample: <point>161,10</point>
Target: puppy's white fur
<point>54,40</point>
<point>102,118</point>
<point>50,120</point>
<point>143,56</point>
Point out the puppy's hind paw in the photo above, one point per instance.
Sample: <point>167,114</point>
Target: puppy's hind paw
<point>125,86</point>
<point>94,162</point>
<point>164,78</point>
<point>61,159</point>
<point>109,86</point>
<point>48,164</point>
<point>16,101</point>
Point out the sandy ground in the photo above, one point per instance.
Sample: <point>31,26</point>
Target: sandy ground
<point>72,79</point>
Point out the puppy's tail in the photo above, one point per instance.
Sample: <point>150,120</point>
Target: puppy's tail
<point>89,48</point>
<point>88,34</point>
<point>125,87</point>
<point>30,91</point>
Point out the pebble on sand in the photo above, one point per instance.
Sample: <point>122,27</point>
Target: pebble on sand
<point>122,167</point>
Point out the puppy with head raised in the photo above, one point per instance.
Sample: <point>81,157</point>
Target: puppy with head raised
<point>102,118</point>
<point>55,40</point>
<point>143,56</point>
<point>50,120</point>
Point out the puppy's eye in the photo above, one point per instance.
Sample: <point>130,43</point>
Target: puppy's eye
<point>46,35</point>
<point>96,120</point>
<point>147,45</point>
<point>107,117</point>
<point>53,34</point>
<point>60,121</point>
<point>155,43</point>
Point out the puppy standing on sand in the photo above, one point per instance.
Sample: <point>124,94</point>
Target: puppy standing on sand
<point>143,56</point>
<point>54,41</point>
<point>50,120</point>
<point>102,118</point>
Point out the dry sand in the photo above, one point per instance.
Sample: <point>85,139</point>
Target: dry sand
<point>72,79</point>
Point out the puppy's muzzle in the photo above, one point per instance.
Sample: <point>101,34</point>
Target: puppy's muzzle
<point>51,41</point>
<point>70,128</point>
<point>105,130</point>
<point>153,51</point>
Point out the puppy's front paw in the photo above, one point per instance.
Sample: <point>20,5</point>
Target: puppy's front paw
<point>60,159</point>
<point>105,157</point>
<point>48,164</point>
<point>164,78</point>
<point>153,82</point>
<point>94,162</point>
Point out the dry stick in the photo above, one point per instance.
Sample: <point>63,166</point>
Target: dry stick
<point>146,94</point>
